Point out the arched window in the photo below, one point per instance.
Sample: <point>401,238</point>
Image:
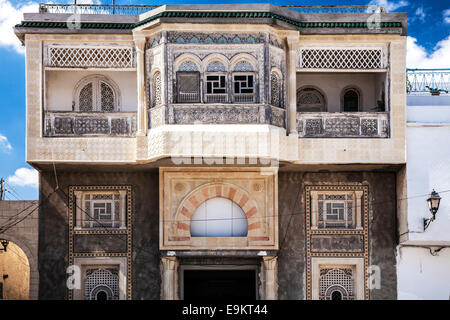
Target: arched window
<point>219,217</point>
<point>188,83</point>
<point>275,90</point>
<point>216,83</point>
<point>156,89</point>
<point>336,284</point>
<point>244,83</point>
<point>350,100</point>
<point>101,284</point>
<point>310,100</point>
<point>96,94</point>
<point>336,295</point>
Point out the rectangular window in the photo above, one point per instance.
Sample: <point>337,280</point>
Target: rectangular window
<point>244,88</point>
<point>216,89</point>
<point>101,210</point>
<point>188,87</point>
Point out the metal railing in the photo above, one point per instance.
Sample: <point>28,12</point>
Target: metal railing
<point>216,98</point>
<point>427,81</point>
<point>193,97</point>
<point>95,8</point>
<point>244,98</point>
<point>337,9</point>
<point>139,9</point>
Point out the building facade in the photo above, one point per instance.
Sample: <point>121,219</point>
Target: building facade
<point>252,150</point>
<point>423,254</point>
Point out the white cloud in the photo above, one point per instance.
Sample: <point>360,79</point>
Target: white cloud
<point>5,146</point>
<point>446,15</point>
<point>24,177</point>
<point>11,15</point>
<point>420,14</point>
<point>418,57</point>
<point>390,5</point>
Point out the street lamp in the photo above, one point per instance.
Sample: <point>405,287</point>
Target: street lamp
<point>433,205</point>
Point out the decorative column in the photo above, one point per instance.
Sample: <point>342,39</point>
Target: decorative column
<point>123,208</point>
<point>291,107</point>
<point>314,209</point>
<point>169,278</point>
<point>78,212</point>
<point>140,72</point>
<point>359,195</point>
<point>269,272</point>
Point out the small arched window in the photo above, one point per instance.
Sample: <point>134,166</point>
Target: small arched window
<point>219,217</point>
<point>351,100</point>
<point>310,100</point>
<point>156,89</point>
<point>96,94</point>
<point>275,90</point>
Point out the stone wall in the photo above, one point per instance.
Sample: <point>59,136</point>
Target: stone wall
<point>54,237</point>
<point>24,235</point>
<point>382,228</point>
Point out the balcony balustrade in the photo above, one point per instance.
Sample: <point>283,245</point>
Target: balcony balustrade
<point>73,124</point>
<point>343,125</point>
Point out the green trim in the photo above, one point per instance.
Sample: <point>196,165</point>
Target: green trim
<point>214,14</point>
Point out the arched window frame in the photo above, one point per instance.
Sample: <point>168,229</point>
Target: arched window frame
<point>277,100</point>
<point>184,74</point>
<point>156,89</point>
<point>244,78</point>
<point>358,92</point>
<point>322,107</point>
<point>96,81</point>
<point>209,94</point>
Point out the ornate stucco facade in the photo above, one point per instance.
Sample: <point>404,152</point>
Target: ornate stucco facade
<point>290,125</point>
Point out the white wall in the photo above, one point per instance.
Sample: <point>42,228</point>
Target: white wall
<point>332,84</point>
<point>421,276</point>
<point>428,167</point>
<point>61,84</point>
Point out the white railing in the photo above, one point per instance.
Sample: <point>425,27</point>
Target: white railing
<point>244,98</point>
<point>188,97</point>
<point>343,125</point>
<point>216,98</point>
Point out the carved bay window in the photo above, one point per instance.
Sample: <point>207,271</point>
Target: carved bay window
<point>101,209</point>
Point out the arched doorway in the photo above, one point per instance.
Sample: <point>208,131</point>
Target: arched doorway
<point>14,273</point>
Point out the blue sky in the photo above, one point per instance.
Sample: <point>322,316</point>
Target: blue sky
<point>428,47</point>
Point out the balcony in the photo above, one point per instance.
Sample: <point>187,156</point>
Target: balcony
<point>217,114</point>
<point>343,124</point>
<point>75,124</point>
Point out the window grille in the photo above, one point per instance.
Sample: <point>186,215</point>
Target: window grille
<point>86,98</point>
<point>101,281</point>
<point>216,88</point>
<point>188,87</point>
<point>87,56</point>
<point>336,211</point>
<point>336,283</point>
<point>156,89</point>
<point>243,66</point>
<point>244,88</point>
<point>310,100</point>
<point>342,58</point>
<point>96,95</point>
<point>101,210</point>
<point>275,91</point>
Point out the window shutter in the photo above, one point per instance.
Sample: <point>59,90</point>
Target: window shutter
<point>188,87</point>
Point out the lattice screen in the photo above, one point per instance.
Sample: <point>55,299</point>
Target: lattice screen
<point>87,56</point>
<point>342,58</point>
<point>336,279</point>
<point>101,279</point>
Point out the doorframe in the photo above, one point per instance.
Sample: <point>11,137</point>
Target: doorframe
<point>226,267</point>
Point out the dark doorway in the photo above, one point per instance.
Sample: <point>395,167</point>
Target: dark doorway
<point>213,285</point>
